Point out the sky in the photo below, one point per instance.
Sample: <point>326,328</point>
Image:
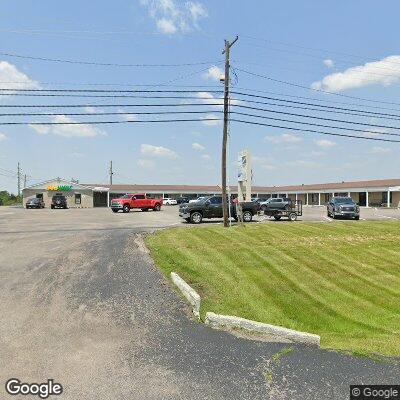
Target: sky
<point>345,48</point>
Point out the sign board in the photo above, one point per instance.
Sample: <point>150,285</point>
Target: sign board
<point>59,188</point>
<point>244,176</point>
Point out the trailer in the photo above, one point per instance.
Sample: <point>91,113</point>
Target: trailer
<point>291,211</point>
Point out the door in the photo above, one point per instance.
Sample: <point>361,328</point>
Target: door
<point>362,199</point>
<point>140,201</point>
<point>100,199</point>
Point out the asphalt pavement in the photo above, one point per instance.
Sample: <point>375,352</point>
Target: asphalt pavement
<point>82,302</point>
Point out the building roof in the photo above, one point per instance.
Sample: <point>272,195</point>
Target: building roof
<point>337,186</point>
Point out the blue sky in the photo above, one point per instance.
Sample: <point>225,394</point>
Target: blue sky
<point>308,43</point>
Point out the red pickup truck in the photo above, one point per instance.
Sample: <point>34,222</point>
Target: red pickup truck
<point>129,201</point>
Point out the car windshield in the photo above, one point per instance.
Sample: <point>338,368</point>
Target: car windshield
<point>343,200</point>
<point>34,200</point>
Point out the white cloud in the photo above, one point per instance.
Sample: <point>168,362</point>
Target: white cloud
<point>212,120</point>
<point>17,79</point>
<point>3,137</point>
<point>329,63</point>
<point>166,26</point>
<point>324,143</point>
<point>284,138</point>
<point>206,157</point>
<point>264,163</point>
<point>157,151</point>
<point>380,150</point>
<point>209,98</point>
<point>383,72</point>
<point>198,146</point>
<point>173,17</point>
<point>145,163</point>
<point>213,73</point>
<point>78,131</point>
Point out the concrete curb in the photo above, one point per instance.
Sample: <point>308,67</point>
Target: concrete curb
<point>191,295</point>
<point>219,321</point>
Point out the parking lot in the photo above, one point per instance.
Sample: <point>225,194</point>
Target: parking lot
<point>20,220</point>
<point>82,302</point>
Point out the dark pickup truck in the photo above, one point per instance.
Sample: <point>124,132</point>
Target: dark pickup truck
<point>211,207</point>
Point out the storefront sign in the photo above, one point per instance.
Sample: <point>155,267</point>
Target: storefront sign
<point>59,188</point>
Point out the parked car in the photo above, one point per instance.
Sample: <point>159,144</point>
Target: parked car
<point>35,203</point>
<point>343,207</point>
<point>276,203</point>
<point>130,201</point>
<point>211,207</point>
<point>198,199</point>
<point>182,200</point>
<point>59,201</point>
<point>170,202</point>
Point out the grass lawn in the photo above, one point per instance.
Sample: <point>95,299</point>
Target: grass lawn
<point>339,280</point>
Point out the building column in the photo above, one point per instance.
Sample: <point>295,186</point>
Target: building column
<point>348,194</point>
<point>367,198</point>
<point>319,199</point>
<point>108,198</point>
<point>388,198</point>
<point>296,196</point>
<point>306,199</point>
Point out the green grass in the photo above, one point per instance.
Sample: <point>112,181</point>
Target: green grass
<point>338,280</point>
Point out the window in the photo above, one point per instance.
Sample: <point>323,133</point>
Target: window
<point>78,198</point>
<point>39,196</point>
<point>278,200</point>
<point>139,196</point>
<point>216,200</point>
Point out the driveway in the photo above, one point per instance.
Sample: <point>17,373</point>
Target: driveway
<point>81,302</point>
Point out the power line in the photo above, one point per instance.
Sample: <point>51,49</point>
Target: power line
<point>106,90</point>
<point>109,113</point>
<point>314,124</point>
<point>59,60</point>
<point>315,90</point>
<point>372,113</point>
<point>314,131</point>
<point>319,100</point>
<point>109,122</point>
<point>314,117</point>
<point>106,105</point>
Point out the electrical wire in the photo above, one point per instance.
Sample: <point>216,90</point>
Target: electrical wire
<point>104,91</point>
<point>315,90</point>
<point>322,107</point>
<point>314,117</point>
<point>105,105</point>
<point>314,131</point>
<point>314,124</point>
<point>108,122</point>
<point>59,60</point>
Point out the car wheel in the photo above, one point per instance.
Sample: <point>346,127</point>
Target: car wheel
<point>357,218</point>
<point>157,207</point>
<point>247,216</point>
<point>292,217</point>
<point>115,211</point>
<point>52,207</point>
<point>126,208</point>
<point>277,217</point>
<point>196,217</point>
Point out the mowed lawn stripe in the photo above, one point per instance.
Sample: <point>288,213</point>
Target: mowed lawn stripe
<point>327,279</point>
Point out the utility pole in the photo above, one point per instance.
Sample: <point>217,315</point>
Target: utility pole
<point>25,181</point>
<point>226,51</point>
<point>111,173</point>
<point>19,179</point>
